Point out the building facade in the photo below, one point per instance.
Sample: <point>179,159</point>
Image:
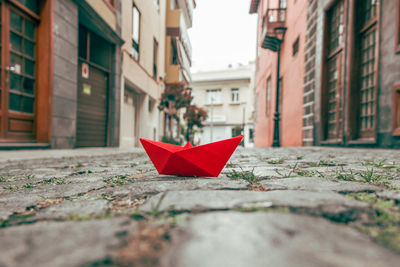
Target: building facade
<point>228,96</point>
<point>60,73</point>
<point>351,73</point>
<point>89,73</point>
<point>290,16</point>
<point>178,57</point>
<point>144,33</point>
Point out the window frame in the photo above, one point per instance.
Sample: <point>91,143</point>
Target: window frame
<point>209,93</point>
<point>155,58</point>
<point>235,94</point>
<point>135,43</point>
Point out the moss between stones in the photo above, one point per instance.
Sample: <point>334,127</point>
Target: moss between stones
<point>384,223</point>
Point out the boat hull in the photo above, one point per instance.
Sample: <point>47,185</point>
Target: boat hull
<point>201,161</point>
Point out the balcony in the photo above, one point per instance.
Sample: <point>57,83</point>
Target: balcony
<point>173,22</point>
<point>273,28</point>
<point>275,18</point>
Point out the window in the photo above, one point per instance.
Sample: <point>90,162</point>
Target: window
<point>155,58</point>
<point>173,4</point>
<point>235,95</point>
<point>333,68</point>
<point>151,104</point>
<point>296,46</point>
<point>135,32</point>
<point>174,52</point>
<point>268,94</point>
<point>282,3</point>
<point>251,135</point>
<point>213,96</point>
<point>157,4</point>
<point>368,62</point>
<point>397,47</point>
<point>32,5</point>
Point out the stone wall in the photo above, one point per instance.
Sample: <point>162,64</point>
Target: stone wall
<point>65,37</point>
<point>309,74</point>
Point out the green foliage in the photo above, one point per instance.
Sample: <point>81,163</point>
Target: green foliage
<point>168,140</point>
<point>384,223</point>
<point>276,161</point>
<point>248,176</point>
<point>117,180</point>
<point>194,117</point>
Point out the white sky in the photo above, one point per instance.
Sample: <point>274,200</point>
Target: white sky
<point>223,33</point>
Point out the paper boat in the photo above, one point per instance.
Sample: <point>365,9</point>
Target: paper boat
<point>205,160</point>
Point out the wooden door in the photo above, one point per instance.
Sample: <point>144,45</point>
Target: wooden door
<point>18,74</point>
<point>368,64</point>
<point>92,108</point>
<point>333,69</point>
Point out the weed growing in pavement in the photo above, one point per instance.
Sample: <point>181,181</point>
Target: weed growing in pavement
<point>322,163</point>
<point>289,174</point>
<point>346,176</point>
<point>276,161</point>
<point>367,176</point>
<point>29,176</point>
<point>8,179</point>
<point>55,181</point>
<point>248,176</point>
<point>231,165</point>
<point>10,187</point>
<point>117,180</point>
<point>384,223</point>
<point>29,185</point>
<point>381,164</point>
<point>105,197</point>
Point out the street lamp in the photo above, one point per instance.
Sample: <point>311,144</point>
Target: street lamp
<point>273,42</point>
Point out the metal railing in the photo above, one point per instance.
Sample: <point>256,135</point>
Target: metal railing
<point>276,15</point>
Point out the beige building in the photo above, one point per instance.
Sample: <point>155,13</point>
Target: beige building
<point>228,97</point>
<point>178,57</point>
<point>143,72</point>
<point>156,54</point>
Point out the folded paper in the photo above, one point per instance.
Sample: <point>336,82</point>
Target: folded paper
<point>201,161</point>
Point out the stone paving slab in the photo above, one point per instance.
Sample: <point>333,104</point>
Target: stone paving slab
<point>73,198</point>
<point>272,239</point>
<point>61,243</point>
<point>317,184</point>
<point>214,200</point>
<point>153,186</point>
<point>78,208</point>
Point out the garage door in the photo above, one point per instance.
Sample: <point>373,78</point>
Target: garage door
<point>92,108</point>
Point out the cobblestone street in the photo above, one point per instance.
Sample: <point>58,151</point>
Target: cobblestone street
<point>269,207</point>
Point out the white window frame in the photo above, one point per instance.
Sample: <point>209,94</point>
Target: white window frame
<point>213,96</point>
<point>235,95</point>
<point>135,32</point>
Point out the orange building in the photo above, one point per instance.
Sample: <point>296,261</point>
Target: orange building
<point>281,26</point>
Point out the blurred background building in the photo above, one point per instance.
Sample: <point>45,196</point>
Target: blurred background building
<point>228,97</point>
<point>339,72</point>
<point>87,73</point>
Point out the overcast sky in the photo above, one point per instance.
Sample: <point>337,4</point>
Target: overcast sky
<point>223,33</point>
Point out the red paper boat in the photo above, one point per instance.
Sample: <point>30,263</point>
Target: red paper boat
<point>205,160</point>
